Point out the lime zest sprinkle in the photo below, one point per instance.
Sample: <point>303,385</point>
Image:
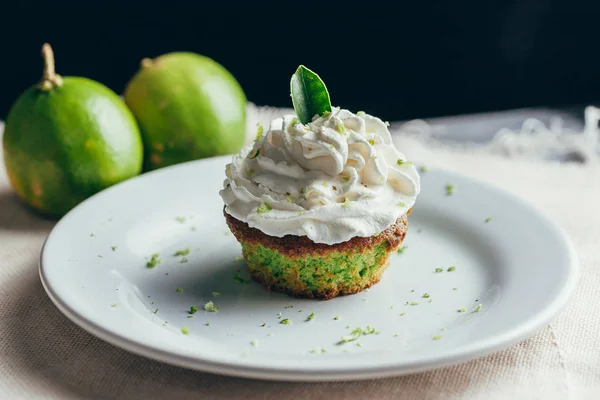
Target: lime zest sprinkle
<point>402,204</point>
<point>255,155</point>
<point>449,189</point>
<point>402,314</point>
<point>254,342</point>
<point>346,178</point>
<point>337,318</point>
<point>207,323</point>
<point>414,303</point>
<point>259,131</point>
<point>216,294</point>
<point>289,307</point>
<point>154,261</point>
<point>346,203</point>
<point>339,127</point>
<point>438,270</point>
<point>454,288</point>
<point>179,290</point>
<point>462,309</point>
<point>488,219</point>
<point>360,113</point>
<point>183,260</point>
<point>451,268</point>
<point>114,305</point>
<point>181,220</point>
<point>210,307</point>
<point>263,324</point>
<point>285,321</point>
<point>401,249</point>
<point>185,330</point>
<point>113,248</point>
<point>403,162</point>
<point>371,142</point>
<point>357,333</point>
<point>387,123</point>
<point>478,308</point>
<point>436,337</point>
<point>193,309</point>
<point>238,279</point>
<point>426,295</point>
<point>423,170</point>
<point>311,316</point>
<point>156,311</point>
<point>263,208</point>
<point>182,252</point>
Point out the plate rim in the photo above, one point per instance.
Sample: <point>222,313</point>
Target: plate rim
<point>483,347</point>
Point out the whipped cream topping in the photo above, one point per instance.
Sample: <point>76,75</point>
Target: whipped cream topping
<point>333,179</point>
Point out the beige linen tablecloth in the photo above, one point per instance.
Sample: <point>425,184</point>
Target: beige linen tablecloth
<point>44,355</point>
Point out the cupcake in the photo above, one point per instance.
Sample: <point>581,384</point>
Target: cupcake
<point>319,205</point>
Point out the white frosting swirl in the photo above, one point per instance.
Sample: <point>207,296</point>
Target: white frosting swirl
<point>333,179</point>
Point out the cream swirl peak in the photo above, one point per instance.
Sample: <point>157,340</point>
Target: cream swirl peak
<point>332,179</point>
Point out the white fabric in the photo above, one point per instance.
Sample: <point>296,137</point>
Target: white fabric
<point>44,355</point>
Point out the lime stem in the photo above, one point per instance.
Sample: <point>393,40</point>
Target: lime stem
<point>51,79</point>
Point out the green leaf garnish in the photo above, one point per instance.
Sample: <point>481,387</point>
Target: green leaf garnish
<point>211,307</point>
<point>309,94</point>
<point>185,330</point>
<point>182,252</point>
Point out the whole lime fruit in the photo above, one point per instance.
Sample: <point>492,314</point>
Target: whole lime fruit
<point>66,139</point>
<point>188,107</point>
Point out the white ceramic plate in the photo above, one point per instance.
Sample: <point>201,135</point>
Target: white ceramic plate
<point>518,268</point>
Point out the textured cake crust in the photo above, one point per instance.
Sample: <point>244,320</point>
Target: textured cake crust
<point>302,250</point>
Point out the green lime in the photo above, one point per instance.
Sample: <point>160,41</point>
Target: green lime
<point>66,139</point>
<point>188,107</point>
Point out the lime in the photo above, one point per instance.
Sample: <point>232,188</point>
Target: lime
<point>66,139</point>
<point>188,107</point>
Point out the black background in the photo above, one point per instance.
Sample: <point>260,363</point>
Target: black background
<point>399,60</point>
